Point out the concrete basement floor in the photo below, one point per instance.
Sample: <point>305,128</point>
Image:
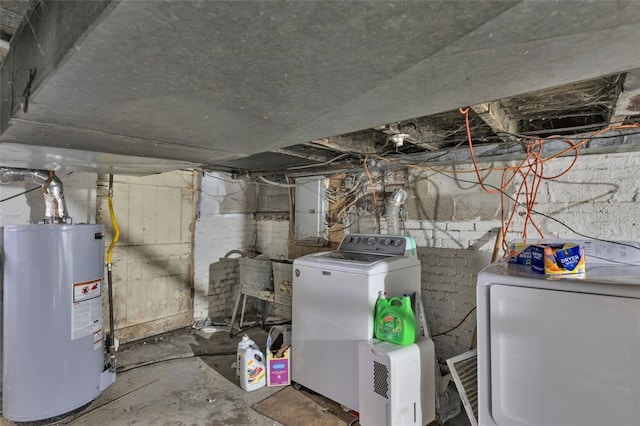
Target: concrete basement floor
<point>186,377</point>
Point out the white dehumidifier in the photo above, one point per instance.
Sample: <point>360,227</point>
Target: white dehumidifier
<point>396,383</point>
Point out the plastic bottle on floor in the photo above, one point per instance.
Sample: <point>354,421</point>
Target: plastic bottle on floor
<point>253,374</point>
<point>243,345</point>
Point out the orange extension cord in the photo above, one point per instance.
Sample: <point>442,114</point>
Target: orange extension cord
<point>530,170</point>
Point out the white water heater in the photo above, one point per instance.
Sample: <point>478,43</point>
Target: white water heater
<point>52,343</point>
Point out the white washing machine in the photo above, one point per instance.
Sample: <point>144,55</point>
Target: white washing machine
<point>334,296</point>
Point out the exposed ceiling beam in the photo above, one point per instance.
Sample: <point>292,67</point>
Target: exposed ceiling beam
<point>345,144</point>
<point>628,103</point>
<point>496,117</point>
<point>307,156</point>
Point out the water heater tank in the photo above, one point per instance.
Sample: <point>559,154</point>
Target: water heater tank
<point>52,343</point>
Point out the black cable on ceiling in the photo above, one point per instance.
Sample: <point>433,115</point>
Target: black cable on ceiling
<point>19,194</point>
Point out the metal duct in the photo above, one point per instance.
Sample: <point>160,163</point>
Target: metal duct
<point>393,211</point>
<point>55,207</point>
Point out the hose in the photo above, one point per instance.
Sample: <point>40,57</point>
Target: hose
<point>114,222</point>
<point>114,241</point>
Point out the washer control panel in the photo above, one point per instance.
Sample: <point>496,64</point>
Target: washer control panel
<point>389,245</point>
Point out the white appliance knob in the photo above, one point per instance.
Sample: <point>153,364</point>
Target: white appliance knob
<point>357,240</point>
<point>387,242</point>
<point>398,243</point>
<point>371,241</point>
<point>348,239</point>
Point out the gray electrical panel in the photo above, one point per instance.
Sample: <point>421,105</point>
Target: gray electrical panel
<point>311,211</point>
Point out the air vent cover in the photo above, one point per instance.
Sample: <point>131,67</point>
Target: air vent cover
<point>464,369</point>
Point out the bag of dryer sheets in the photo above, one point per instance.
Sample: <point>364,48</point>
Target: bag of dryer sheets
<point>548,258</point>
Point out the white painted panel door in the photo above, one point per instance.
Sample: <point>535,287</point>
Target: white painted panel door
<point>152,263</point>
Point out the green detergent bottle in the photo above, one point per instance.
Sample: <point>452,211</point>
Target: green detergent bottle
<point>396,323</point>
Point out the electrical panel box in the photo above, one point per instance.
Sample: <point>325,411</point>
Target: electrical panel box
<point>311,210</point>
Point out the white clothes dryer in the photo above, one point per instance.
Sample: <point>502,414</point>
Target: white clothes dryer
<point>561,350</point>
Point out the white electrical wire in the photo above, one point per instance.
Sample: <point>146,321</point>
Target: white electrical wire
<point>270,182</point>
<point>308,166</point>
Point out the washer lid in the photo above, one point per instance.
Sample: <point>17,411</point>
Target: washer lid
<point>367,258</point>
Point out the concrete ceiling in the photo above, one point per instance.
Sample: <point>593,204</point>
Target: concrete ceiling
<point>139,87</point>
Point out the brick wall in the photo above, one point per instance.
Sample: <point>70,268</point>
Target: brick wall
<point>455,225</point>
<point>228,220</point>
<point>448,294</point>
<point>225,222</point>
<point>598,197</point>
<point>215,237</point>
<point>223,279</point>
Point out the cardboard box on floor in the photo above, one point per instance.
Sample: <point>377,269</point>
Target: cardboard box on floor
<point>279,355</point>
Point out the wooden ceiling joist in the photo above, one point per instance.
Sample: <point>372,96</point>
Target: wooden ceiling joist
<point>307,156</point>
<point>348,145</point>
<point>495,116</point>
<point>628,102</point>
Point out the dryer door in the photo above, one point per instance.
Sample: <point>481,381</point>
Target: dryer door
<point>562,358</point>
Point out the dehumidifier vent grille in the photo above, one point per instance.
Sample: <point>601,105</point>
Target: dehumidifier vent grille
<point>381,379</point>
